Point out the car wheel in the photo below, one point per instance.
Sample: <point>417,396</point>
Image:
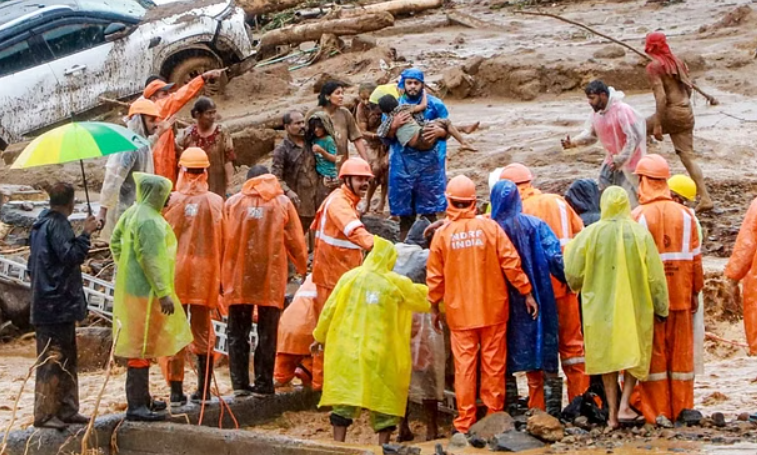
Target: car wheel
<point>192,67</point>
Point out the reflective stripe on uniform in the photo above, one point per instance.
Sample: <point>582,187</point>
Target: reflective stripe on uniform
<point>351,226</point>
<point>564,239</point>
<point>320,233</point>
<point>657,377</point>
<point>682,376</point>
<point>306,294</point>
<point>573,361</point>
<point>686,253</point>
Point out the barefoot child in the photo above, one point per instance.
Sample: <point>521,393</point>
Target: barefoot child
<point>411,133</point>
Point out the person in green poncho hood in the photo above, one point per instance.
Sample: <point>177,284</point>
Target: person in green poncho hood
<point>148,320</point>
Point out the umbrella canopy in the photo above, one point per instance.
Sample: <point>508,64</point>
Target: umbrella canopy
<point>78,141</point>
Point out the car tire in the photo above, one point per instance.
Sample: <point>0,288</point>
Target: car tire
<point>192,67</point>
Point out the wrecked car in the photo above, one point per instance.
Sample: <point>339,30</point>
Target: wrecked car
<point>59,58</point>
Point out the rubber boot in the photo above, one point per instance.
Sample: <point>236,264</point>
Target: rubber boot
<point>177,394</point>
<point>203,367</point>
<point>137,396</point>
<point>553,395</point>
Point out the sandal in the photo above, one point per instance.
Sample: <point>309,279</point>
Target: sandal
<point>636,422</point>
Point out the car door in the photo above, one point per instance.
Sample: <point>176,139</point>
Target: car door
<point>80,53</point>
<point>28,88</point>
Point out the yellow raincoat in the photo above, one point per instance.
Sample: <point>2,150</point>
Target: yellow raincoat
<point>615,266</point>
<point>365,327</point>
<point>144,247</point>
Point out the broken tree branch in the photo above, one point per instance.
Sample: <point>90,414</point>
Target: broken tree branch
<point>710,99</point>
<point>466,20</point>
<point>295,34</point>
<point>394,7</point>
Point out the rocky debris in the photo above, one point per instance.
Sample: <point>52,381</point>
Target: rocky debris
<point>472,65</point>
<point>545,427</point>
<point>514,441</point>
<point>690,417</point>
<point>252,144</point>
<point>733,18</point>
<point>15,304</point>
<point>457,441</point>
<point>668,434</point>
<point>94,345</point>
<point>718,419</point>
<point>610,52</point>
<point>582,422</point>
<point>459,39</point>
<point>362,43</point>
<point>663,422</point>
<point>457,83</point>
<point>492,425</point>
<point>477,442</point>
<point>743,417</point>
<point>326,77</point>
<point>382,227</point>
<point>400,449</point>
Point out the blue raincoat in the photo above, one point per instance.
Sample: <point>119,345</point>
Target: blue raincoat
<point>417,179</point>
<point>531,344</point>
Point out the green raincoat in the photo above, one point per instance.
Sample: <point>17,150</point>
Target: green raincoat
<point>365,327</point>
<point>144,248</point>
<point>615,266</point>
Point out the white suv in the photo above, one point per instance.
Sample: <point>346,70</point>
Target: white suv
<point>58,57</point>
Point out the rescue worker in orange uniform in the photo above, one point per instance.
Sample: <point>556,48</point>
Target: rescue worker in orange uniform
<point>565,223</point>
<point>262,233</point>
<point>196,216</point>
<point>170,103</point>
<point>669,388</point>
<point>296,327</point>
<point>340,239</point>
<point>470,260</point>
<point>743,267</point>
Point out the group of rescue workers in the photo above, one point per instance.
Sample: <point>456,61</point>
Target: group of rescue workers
<point>604,280</point>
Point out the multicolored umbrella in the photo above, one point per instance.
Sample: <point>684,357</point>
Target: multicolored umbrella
<point>78,141</point>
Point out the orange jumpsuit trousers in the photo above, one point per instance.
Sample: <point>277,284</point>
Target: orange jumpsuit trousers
<point>493,351</point>
<point>204,339</point>
<point>322,295</point>
<point>669,388</point>
<point>289,366</point>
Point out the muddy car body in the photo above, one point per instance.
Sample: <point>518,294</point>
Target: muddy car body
<point>59,57</point>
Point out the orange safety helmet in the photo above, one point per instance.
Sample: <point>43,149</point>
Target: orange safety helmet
<point>145,107</point>
<point>194,158</point>
<point>653,166</point>
<point>355,167</point>
<point>516,173</point>
<point>461,188</point>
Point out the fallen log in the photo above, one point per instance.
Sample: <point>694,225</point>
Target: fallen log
<point>394,7</point>
<point>296,34</point>
<point>258,7</point>
<point>466,20</point>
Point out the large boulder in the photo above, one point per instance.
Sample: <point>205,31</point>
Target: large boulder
<point>15,304</point>
<point>252,144</point>
<point>545,427</point>
<point>382,227</point>
<point>514,441</point>
<point>93,344</point>
<point>492,425</point>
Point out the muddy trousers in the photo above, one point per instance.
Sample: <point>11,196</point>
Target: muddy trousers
<point>322,295</point>
<point>289,366</point>
<point>490,343</point>
<point>240,325</point>
<point>56,388</point>
<point>571,348</point>
<point>204,338</point>
<point>669,388</point>
<point>750,319</point>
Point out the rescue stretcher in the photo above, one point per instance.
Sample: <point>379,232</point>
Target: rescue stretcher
<point>99,294</point>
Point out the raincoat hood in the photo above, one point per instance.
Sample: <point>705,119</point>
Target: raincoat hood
<point>651,190</point>
<point>382,257</point>
<point>192,184</point>
<point>526,190</point>
<point>328,124</point>
<point>454,213</point>
<point>612,98</point>
<point>506,203</point>
<point>266,186</point>
<point>615,204</point>
<point>583,195</point>
<point>152,190</point>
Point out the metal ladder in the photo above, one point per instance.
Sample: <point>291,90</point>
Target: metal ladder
<point>99,294</point>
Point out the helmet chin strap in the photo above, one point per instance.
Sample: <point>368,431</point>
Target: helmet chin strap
<point>348,182</point>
